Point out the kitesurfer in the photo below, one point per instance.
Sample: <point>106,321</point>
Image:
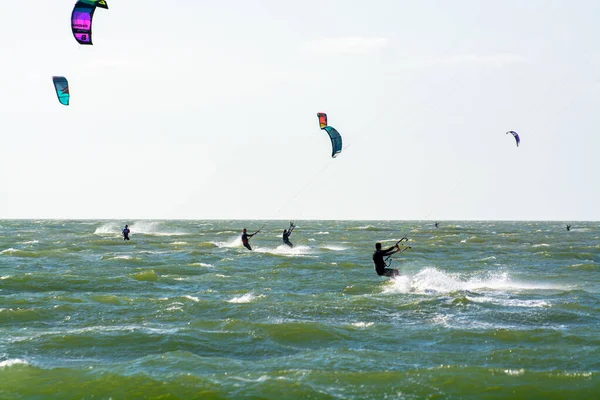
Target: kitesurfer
<point>568,227</point>
<point>126,232</point>
<point>287,233</point>
<point>379,261</point>
<point>245,236</point>
<point>437,224</point>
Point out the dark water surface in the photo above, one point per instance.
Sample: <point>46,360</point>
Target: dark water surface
<point>482,310</point>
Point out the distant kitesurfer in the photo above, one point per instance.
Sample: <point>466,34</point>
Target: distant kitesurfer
<point>437,224</point>
<point>287,233</point>
<point>568,227</point>
<point>379,261</point>
<point>126,232</point>
<point>245,236</point>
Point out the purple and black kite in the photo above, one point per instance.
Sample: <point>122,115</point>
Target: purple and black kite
<point>516,136</point>
<point>81,19</point>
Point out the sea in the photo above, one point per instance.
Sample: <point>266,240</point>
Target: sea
<point>480,310</point>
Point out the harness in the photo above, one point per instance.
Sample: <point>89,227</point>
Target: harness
<point>388,261</point>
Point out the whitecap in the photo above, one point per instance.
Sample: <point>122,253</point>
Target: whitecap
<point>285,250</point>
<point>247,298</point>
<point>397,284</point>
<point>13,361</point>
<point>261,379</point>
<point>362,324</point>
<point>233,242</point>
<point>199,264</point>
<point>10,250</point>
<point>510,302</point>
<point>514,372</point>
<point>335,248</point>
<point>111,228</point>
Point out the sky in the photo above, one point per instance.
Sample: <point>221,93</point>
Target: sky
<point>191,109</point>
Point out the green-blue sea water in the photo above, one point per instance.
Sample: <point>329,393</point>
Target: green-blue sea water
<point>481,310</point>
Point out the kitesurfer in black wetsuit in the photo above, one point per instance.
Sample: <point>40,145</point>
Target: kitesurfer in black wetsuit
<point>245,236</point>
<point>126,233</point>
<point>287,233</point>
<point>568,227</point>
<point>437,224</point>
<point>379,261</point>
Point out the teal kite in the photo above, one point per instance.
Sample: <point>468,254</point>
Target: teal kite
<point>61,85</point>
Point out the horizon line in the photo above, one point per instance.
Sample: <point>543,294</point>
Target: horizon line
<point>294,219</point>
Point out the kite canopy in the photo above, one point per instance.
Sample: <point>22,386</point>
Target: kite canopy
<point>516,136</point>
<point>62,89</point>
<point>81,19</point>
<point>334,135</point>
<point>336,141</point>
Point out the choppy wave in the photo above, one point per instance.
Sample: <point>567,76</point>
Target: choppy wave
<point>585,266</point>
<point>362,324</point>
<point>191,376</point>
<point>246,298</point>
<point>235,241</point>
<point>335,248</point>
<point>110,228</point>
<point>10,250</point>
<point>149,276</point>
<point>12,362</point>
<point>200,264</point>
<point>370,228</point>
<point>121,257</point>
<point>284,250</point>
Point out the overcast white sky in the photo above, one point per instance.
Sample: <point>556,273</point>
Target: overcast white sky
<point>207,109</point>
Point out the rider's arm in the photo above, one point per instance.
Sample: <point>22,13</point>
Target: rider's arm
<point>391,250</point>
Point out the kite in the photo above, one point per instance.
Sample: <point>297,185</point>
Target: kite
<point>81,19</point>
<point>516,136</point>
<point>62,89</point>
<point>334,135</point>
